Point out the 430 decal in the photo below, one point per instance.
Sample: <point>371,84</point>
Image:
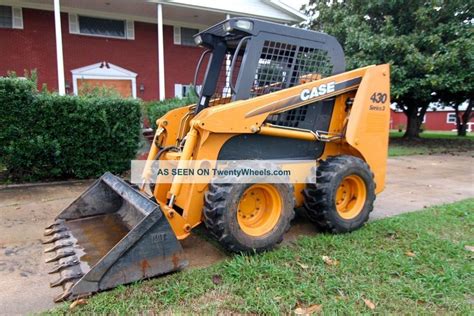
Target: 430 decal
<point>378,97</point>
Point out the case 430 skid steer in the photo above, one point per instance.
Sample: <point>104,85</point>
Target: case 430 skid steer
<point>268,91</point>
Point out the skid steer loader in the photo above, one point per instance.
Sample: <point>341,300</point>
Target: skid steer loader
<point>268,92</point>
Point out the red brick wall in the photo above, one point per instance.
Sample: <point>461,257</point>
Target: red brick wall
<point>34,47</point>
<point>435,121</point>
<point>30,48</point>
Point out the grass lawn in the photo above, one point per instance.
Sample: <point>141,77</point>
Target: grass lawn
<point>430,143</point>
<point>409,264</point>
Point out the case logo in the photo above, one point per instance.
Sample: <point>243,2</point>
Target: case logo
<point>323,89</point>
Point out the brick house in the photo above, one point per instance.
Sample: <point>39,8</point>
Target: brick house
<point>142,48</point>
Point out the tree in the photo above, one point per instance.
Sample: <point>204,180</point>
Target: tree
<point>410,35</point>
<point>457,91</point>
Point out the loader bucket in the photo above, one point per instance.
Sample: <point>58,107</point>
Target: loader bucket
<point>112,234</point>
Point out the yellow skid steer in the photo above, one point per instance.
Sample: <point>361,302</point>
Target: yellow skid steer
<point>269,92</point>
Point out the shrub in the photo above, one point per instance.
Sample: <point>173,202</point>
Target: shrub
<point>156,109</point>
<point>47,136</point>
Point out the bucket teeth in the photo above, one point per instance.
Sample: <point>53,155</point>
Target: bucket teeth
<point>56,237</point>
<point>65,295</point>
<point>58,245</point>
<point>57,222</point>
<point>61,253</point>
<point>61,265</point>
<point>66,276</point>
<point>55,229</point>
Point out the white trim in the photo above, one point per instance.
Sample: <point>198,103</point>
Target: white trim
<point>300,16</point>
<point>114,15</point>
<point>101,14</point>
<point>75,27</point>
<point>59,48</point>
<point>292,11</point>
<point>130,29</point>
<point>124,72</point>
<point>447,118</point>
<point>113,72</point>
<point>176,35</point>
<point>17,18</point>
<point>73,21</point>
<point>178,90</point>
<point>161,57</point>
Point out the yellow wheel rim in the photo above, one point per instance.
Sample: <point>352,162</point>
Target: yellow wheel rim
<point>350,197</point>
<point>259,209</point>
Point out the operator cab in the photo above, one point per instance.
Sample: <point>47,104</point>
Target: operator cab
<point>248,58</point>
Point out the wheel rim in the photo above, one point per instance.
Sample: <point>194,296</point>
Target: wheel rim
<point>350,197</point>
<point>259,209</point>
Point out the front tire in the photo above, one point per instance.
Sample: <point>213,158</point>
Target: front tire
<point>247,217</point>
<point>342,196</point>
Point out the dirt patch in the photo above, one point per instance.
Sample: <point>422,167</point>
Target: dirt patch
<point>413,183</point>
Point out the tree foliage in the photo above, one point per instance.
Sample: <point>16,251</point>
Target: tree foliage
<point>427,43</point>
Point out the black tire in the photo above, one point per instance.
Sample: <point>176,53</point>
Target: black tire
<point>320,193</point>
<point>220,216</point>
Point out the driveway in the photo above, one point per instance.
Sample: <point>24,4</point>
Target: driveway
<point>413,183</point>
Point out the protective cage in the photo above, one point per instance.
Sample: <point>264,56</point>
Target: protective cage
<point>263,57</point>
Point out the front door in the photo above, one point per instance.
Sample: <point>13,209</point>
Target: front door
<point>121,86</point>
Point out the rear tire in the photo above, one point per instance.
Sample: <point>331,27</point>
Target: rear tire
<point>247,217</point>
<point>341,196</point>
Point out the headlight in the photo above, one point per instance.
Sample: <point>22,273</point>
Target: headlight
<point>198,40</point>
<point>244,25</point>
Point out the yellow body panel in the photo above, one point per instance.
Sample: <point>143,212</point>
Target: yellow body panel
<point>360,130</point>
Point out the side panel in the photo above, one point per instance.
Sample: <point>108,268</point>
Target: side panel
<point>314,116</point>
<point>368,126</point>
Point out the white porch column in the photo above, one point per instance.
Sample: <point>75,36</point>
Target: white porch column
<point>59,48</point>
<point>161,56</point>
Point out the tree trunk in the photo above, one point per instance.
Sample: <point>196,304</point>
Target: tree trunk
<point>412,130</point>
<point>466,118</point>
<point>414,120</point>
<point>462,130</point>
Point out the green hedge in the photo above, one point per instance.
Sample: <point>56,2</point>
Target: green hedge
<point>47,136</point>
<point>156,109</point>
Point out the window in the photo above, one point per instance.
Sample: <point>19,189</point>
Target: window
<point>184,36</point>
<point>104,27</point>
<point>6,18</point>
<point>94,26</point>
<point>451,118</point>
<point>181,90</point>
<point>11,17</point>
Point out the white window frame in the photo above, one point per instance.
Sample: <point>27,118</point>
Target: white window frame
<point>449,116</point>
<point>75,28</point>
<point>17,17</point>
<point>113,72</point>
<point>177,35</point>
<point>178,89</point>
